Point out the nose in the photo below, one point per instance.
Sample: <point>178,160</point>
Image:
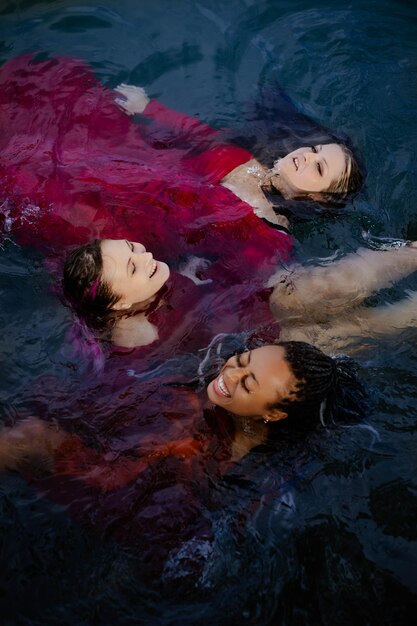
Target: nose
<point>144,257</point>
<point>309,156</point>
<point>236,373</point>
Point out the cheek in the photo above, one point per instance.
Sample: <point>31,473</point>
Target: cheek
<point>247,404</point>
<point>210,393</point>
<point>139,287</point>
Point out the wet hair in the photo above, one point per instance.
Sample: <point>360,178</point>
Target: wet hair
<point>327,387</point>
<point>351,179</point>
<point>92,298</point>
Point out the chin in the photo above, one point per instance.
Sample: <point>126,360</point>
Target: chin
<point>213,397</point>
<point>161,276</point>
<point>165,272</point>
<point>210,393</point>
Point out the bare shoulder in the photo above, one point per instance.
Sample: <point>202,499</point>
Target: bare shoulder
<point>133,332</point>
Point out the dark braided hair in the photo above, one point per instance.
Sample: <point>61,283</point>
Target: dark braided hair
<point>327,386</point>
<point>84,288</point>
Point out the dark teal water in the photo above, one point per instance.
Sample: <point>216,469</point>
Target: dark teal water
<point>336,549</point>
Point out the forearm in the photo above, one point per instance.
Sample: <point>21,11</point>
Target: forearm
<point>96,469</point>
<point>171,125</point>
<point>178,125</point>
<point>327,290</point>
<point>347,332</point>
<point>30,446</point>
<point>390,318</point>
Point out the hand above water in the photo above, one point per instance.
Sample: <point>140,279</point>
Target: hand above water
<point>134,98</point>
<point>193,265</point>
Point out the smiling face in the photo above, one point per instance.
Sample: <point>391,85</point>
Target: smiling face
<point>311,170</point>
<point>248,383</point>
<point>131,272</point>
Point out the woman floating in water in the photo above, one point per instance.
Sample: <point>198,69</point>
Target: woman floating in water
<point>75,166</point>
<point>113,284</point>
<point>326,172</point>
<point>105,280</point>
<point>260,387</point>
<point>147,480</point>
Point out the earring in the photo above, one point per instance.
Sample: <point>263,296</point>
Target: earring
<point>266,420</point>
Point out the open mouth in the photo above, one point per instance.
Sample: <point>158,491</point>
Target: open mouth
<point>296,163</point>
<point>220,387</point>
<point>153,269</point>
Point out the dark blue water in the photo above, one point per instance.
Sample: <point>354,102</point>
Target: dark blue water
<point>337,545</point>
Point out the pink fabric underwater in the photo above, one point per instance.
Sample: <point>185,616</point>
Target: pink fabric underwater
<point>74,167</point>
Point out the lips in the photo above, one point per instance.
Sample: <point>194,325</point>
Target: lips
<point>220,387</point>
<point>154,267</point>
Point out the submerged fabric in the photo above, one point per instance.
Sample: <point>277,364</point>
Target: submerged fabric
<point>74,167</point>
<point>143,462</point>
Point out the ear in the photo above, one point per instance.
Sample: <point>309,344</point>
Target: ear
<point>274,415</point>
<point>122,306</point>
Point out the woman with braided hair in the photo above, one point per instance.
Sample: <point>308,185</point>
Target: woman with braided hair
<point>148,478</point>
<point>259,387</point>
<point>290,381</point>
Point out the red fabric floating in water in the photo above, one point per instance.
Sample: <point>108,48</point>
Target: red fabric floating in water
<point>74,167</point>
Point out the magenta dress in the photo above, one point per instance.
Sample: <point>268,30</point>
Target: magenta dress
<point>74,167</point>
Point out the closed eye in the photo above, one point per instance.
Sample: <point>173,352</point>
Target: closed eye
<point>319,169</point>
<point>239,361</point>
<point>244,384</point>
<point>240,364</point>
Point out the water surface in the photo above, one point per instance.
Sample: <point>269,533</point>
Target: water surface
<point>333,542</point>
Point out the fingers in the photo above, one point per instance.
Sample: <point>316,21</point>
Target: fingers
<point>132,90</point>
<point>134,99</point>
<point>122,104</point>
<point>192,266</point>
<point>125,89</point>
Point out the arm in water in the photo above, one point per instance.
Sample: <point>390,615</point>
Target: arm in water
<point>304,294</point>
